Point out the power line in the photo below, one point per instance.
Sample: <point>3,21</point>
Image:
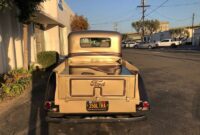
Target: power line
<point>173,19</point>
<point>118,21</point>
<point>182,5</point>
<point>129,18</point>
<point>162,4</point>
<point>111,17</point>
<point>115,26</point>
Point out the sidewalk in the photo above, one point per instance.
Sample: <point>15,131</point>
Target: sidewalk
<point>24,114</point>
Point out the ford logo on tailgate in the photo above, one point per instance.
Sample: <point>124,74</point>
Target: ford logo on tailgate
<point>97,83</point>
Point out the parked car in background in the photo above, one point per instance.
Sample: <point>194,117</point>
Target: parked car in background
<point>128,44</point>
<point>145,45</point>
<point>131,44</point>
<point>123,44</point>
<point>168,42</point>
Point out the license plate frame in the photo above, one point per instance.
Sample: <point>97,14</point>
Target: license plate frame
<point>97,105</point>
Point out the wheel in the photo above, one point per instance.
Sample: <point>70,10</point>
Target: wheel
<point>135,46</point>
<point>157,45</point>
<point>173,46</point>
<point>150,47</point>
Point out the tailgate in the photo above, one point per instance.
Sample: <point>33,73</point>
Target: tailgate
<point>102,94</point>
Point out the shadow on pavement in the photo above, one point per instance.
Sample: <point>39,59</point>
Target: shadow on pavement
<point>37,123</point>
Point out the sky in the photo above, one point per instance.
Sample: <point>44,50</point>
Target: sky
<point>112,14</point>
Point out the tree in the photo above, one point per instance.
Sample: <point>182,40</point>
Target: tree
<point>79,23</point>
<point>179,33</point>
<point>150,26</point>
<point>138,26</point>
<point>124,36</point>
<point>26,8</point>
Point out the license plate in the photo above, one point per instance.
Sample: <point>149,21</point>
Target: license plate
<point>97,105</point>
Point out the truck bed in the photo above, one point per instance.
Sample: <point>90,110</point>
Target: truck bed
<point>96,70</point>
<point>115,84</point>
<point>123,68</point>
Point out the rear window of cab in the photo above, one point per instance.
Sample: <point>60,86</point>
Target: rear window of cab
<point>95,42</point>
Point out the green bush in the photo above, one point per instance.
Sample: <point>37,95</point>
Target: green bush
<point>14,83</point>
<point>47,58</point>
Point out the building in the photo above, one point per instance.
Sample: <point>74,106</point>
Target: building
<point>47,32</point>
<point>158,36</point>
<point>197,37</point>
<point>132,37</point>
<point>164,26</point>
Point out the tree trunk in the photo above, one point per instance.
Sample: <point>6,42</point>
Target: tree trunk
<point>25,48</point>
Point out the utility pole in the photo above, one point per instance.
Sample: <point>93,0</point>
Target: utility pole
<point>193,15</point>
<point>143,6</point>
<point>115,26</point>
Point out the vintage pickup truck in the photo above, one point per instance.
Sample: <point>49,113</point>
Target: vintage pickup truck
<point>94,83</point>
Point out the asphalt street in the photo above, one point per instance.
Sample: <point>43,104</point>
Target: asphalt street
<point>172,81</point>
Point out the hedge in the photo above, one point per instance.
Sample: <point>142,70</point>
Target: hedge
<point>48,58</point>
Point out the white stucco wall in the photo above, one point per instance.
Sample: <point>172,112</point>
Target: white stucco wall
<point>52,39</point>
<point>50,8</point>
<point>66,31</point>
<point>11,44</point>
<point>60,14</point>
<point>63,16</point>
<point>11,40</point>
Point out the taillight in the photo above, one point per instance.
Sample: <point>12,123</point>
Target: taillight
<point>47,105</point>
<point>146,105</point>
<point>50,106</point>
<point>143,106</point>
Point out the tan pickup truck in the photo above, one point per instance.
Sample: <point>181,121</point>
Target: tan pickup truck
<point>94,83</point>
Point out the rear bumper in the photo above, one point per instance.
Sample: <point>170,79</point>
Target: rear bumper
<point>67,118</point>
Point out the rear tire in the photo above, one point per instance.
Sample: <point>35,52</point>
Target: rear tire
<point>136,47</point>
<point>173,46</point>
<point>150,47</point>
<point>157,46</point>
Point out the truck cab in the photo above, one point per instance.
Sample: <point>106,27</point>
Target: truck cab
<point>95,81</point>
